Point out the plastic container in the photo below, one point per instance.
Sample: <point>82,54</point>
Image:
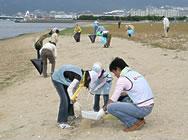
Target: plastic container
<point>89,115</point>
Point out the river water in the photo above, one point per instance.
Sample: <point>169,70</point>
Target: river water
<point>11,29</point>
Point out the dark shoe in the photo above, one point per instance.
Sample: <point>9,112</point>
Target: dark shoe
<point>136,126</point>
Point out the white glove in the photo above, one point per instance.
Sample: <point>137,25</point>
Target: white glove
<point>100,114</point>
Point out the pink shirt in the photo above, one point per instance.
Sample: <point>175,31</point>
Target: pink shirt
<point>122,84</point>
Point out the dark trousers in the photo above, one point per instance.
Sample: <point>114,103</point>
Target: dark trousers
<point>96,106</point>
<point>65,108</point>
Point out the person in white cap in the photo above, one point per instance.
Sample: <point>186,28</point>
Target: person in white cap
<point>54,37</point>
<point>102,86</point>
<point>95,26</point>
<point>68,80</point>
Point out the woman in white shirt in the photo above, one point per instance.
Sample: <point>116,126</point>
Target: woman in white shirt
<point>166,24</point>
<point>130,113</point>
<point>54,37</point>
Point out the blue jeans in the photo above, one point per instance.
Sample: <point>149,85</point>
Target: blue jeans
<point>65,108</point>
<point>128,113</point>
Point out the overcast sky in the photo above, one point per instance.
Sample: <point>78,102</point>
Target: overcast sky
<point>13,6</point>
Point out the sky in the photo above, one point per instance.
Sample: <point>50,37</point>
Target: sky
<point>14,6</point>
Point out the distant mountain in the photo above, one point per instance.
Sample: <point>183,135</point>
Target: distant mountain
<point>13,6</point>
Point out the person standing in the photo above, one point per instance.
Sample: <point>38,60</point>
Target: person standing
<point>39,43</point>
<point>130,30</point>
<point>119,24</point>
<point>77,33</point>
<point>166,26</point>
<point>102,86</point>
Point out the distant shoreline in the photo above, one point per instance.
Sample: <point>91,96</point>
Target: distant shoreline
<point>45,21</point>
<point>19,35</point>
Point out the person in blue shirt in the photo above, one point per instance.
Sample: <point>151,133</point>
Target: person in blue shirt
<point>68,80</point>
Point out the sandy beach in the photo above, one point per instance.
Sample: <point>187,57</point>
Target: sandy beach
<point>29,103</point>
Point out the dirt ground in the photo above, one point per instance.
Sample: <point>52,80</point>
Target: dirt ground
<point>29,104</point>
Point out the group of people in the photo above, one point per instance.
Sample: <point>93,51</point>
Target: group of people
<point>131,29</point>
<point>70,78</point>
<point>98,30</point>
<point>131,101</point>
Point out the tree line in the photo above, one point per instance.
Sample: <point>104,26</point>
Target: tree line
<point>128,18</point>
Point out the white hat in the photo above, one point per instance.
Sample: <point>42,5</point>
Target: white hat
<point>97,68</point>
<point>94,76</point>
<point>54,29</point>
<point>96,22</point>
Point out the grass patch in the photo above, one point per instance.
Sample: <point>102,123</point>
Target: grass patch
<point>147,33</point>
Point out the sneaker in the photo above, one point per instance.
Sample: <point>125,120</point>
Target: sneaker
<point>64,125</point>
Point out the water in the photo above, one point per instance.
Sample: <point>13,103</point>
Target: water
<point>11,29</point>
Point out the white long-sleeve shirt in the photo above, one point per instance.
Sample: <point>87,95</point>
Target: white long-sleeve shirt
<point>50,47</point>
<point>166,22</point>
<point>54,38</point>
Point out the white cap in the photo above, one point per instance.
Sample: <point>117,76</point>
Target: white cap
<point>96,22</point>
<point>97,67</point>
<point>94,76</point>
<point>54,30</point>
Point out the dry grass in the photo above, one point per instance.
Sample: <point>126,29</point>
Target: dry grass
<point>150,34</point>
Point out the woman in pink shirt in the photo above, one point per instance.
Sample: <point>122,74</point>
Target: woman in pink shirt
<point>138,90</point>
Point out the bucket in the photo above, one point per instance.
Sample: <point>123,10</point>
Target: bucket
<point>89,115</point>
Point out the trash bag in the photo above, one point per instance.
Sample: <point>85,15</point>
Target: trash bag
<point>38,65</point>
<point>77,37</point>
<point>92,38</point>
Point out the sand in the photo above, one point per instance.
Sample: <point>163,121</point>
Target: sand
<point>29,105</point>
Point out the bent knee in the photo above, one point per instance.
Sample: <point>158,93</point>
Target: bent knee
<point>111,108</point>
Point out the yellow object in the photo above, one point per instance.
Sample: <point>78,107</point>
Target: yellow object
<point>76,93</point>
<point>77,29</point>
